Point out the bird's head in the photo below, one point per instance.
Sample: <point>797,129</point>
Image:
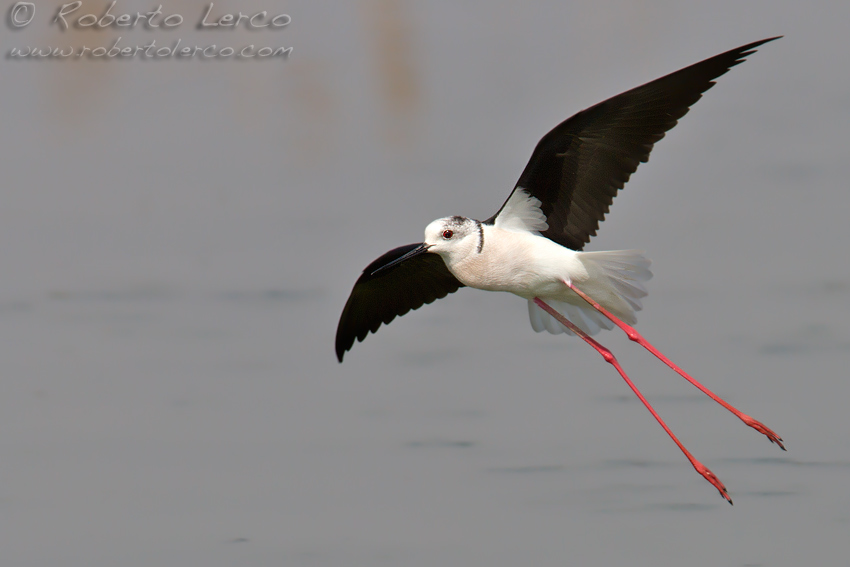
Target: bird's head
<point>453,238</point>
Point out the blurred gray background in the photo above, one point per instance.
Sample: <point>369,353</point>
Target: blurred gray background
<point>178,238</point>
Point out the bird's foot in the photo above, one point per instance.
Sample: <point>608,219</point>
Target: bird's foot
<point>712,478</point>
<point>762,428</point>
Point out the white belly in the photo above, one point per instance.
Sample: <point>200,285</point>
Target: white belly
<point>529,265</point>
<point>522,263</point>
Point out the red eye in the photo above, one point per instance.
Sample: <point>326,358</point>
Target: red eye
<point>447,234</point>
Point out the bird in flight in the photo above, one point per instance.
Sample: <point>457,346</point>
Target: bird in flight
<point>532,247</point>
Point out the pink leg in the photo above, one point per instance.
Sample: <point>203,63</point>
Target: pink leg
<point>606,354</point>
<point>638,338</point>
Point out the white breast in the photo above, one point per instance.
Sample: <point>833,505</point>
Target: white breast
<point>522,263</point>
<point>529,265</point>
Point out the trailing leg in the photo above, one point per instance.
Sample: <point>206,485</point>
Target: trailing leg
<point>609,357</point>
<point>638,338</point>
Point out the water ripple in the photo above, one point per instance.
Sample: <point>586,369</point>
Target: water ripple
<point>528,469</point>
<point>440,443</point>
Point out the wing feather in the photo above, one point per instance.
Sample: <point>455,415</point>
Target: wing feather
<point>391,293</point>
<point>577,168</point>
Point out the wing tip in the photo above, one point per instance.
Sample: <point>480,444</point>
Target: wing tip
<point>746,50</point>
<point>344,342</point>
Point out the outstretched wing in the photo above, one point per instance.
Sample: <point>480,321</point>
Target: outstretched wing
<point>578,167</point>
<point>391,293</point>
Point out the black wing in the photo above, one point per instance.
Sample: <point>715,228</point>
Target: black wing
<point>391,293</point>
<point>578,167</point>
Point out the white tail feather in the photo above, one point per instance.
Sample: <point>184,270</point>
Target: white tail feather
<point>617,284</point>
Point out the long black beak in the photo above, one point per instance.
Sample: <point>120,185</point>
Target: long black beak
<point>422,248</point>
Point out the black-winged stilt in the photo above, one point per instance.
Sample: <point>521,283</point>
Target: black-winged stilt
<point>532,246</point>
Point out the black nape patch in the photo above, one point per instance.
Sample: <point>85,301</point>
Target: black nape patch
<point>480,236</point>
